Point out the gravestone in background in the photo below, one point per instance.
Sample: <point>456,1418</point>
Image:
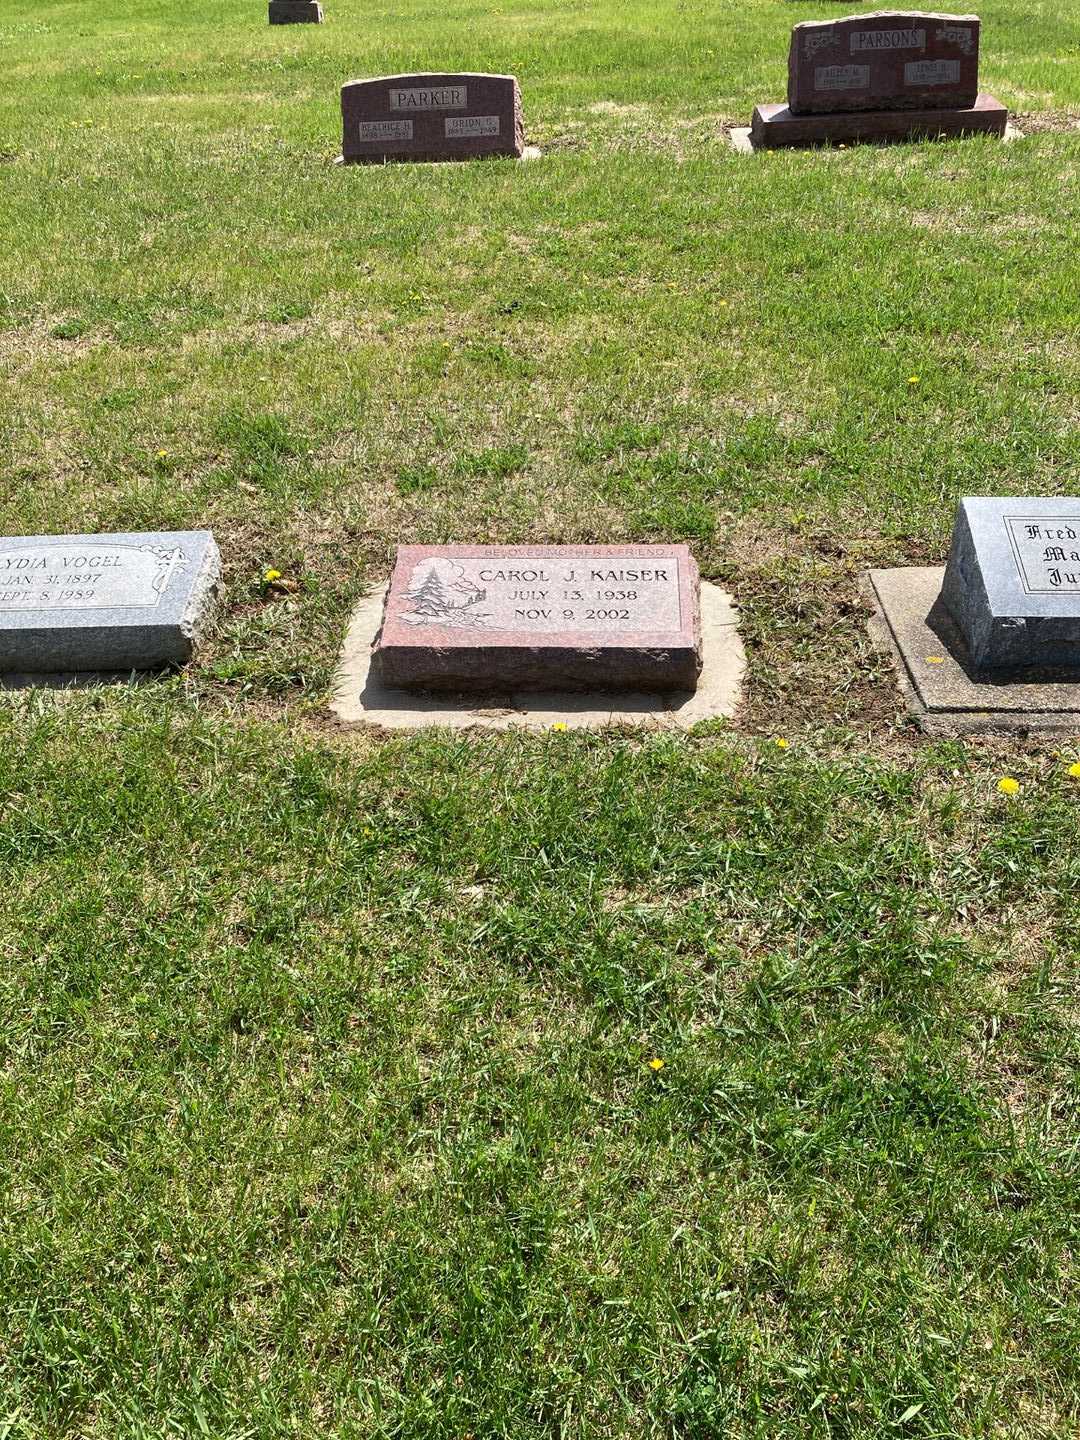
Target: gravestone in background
<point>475,618</point>
<point>890,75</point>
<point>1012,582</point>
<point>104,602</point>
<point>990,642</point>
<point>295,12</point>
<point>895,60</point>
<point>431,117</point>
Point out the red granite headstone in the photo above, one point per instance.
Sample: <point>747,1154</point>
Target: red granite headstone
<point>295,12</point>
<point>431,117</point>
<point>889,75</point>
<point>541,617</point>
<point>890,60</point>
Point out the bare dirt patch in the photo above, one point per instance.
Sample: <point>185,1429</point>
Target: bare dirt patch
<point>1046,122</point>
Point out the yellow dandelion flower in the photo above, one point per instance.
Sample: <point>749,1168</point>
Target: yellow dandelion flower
<point>781,743</point>
<point>1007,785</point>
<point>656,1063</point>
<point>269,576</point>
<point>1074,771</point>
<point>913,379</point>
<point>559,725</point>
<point>161,454</point>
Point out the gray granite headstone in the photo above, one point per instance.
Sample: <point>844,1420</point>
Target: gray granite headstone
<point>1012,582</point>
<point>426,116</point>
<point>104,602</point>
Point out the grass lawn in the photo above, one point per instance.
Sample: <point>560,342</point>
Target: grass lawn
<point>326,1101</point>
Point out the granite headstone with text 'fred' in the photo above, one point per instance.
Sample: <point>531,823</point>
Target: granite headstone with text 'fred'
<point>1012,582</point>
<point>431,117</point>
<point>541,617</point>
<point>892,60</point>
<point>104,602</point>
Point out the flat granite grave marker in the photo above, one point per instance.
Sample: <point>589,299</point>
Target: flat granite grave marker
<point>890,75</point>
<point>992,641</point>
<point>541,617</point>
<point>431,117</point>
<point>295,12</point>
<point>104,602</point>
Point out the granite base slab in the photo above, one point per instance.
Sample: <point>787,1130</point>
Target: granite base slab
<point>531,152</point>
<point>775,126</point>
<point>944,691</point>
<point>361,699</point>
<point>741,141</point>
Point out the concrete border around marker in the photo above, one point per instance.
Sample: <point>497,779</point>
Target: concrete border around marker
<point>940,690</point>
<point>359,699</point>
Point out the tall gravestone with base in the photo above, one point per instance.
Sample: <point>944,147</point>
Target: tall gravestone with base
<point>891,75</point>
<point>994,637</point>
<point>431,117</point>
<point>104,602</point>
<point>295,12</point>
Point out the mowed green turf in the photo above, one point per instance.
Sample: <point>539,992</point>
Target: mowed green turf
<point>328,1106</point>
<point>326,1102</point>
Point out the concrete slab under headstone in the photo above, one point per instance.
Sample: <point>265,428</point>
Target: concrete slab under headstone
<point>738,137</point>
<point>360,698</point>
<point>431,117</point>
<point>104,602</point>
<point>886,60</point>
<point>943,689</point>
<point>295,12</point>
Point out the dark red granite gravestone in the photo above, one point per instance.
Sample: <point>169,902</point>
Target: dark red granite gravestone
<point>891,60</point>
<point>890,75</point>
<point>431,117</point>
<point>541,617</point>
<point>295,12</point>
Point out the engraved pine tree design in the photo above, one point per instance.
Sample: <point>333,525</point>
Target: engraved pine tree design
<point>433,602</point>
<point>431,599</point>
